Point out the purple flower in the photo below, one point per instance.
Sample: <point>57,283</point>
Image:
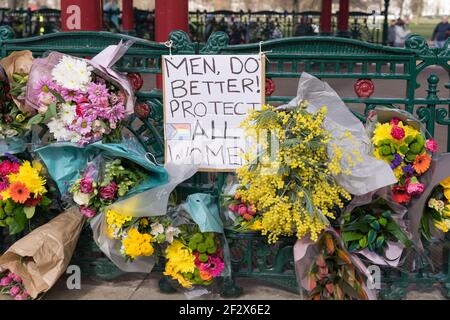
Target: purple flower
<point>98,93</point>
<point>408,169</point>
<point>115,114</point>
<point>86,185</point>
<point>82,125</point>
<point>108,192</point>
<point>396,161</point>
<point>71,95</point>
<point>87,212</point>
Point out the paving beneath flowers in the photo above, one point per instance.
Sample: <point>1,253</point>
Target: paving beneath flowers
<point>145,287</point>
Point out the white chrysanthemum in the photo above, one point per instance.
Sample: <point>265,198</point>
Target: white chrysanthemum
<point>58,129</point>
<point>67,113</point>
<point>74,137</point>
<point>72,73</point>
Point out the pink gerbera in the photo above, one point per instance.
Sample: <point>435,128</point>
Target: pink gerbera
<point>214,266</point>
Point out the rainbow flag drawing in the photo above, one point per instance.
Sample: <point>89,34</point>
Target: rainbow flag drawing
<point>178,131</point>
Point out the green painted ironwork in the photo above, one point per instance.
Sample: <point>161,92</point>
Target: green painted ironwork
<point>324,57</point>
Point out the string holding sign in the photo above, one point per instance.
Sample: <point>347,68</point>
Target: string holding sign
<point>169,44</point>
<point>263,53</point>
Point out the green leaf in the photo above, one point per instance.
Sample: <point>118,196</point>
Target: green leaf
<point>363,242</point>
<point>382,221</point>
<point>375,225</point>
<point>51,112</point>
<point>395,230</point>
<point>57,96</point>
<point>425,226</point>
<point>36,119</point>
<point>45,201</point>
<point>380,241</point>
<point>29,211</point>
<point>435,215</point>
<point>351,236</point>
<point>371,236</point>
<point>17,222</point>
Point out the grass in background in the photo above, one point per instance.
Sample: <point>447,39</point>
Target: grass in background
<point>424,27</point>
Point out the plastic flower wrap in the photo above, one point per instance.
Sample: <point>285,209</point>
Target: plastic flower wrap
<point>408,152</point>
<point>14,114</point>
<point>437,210</point>
<point>294,191</point>
<point>22,189</point>
<point>331,273</point>
<point>103,182</point>
<point>77,99</point>
<point>11,284</point>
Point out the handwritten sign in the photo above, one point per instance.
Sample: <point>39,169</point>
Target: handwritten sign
<point>206,97</point>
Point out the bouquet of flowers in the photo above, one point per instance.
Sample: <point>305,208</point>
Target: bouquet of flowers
<point>408,153</point>
<point>103,183</point>
<point>79,105</point>
<point>437,210</point>
<point>371,227</point>
<point>140,236</point>
<point>22,189</point>
<point>333,275</point>
<point>245,216</point>
<point>194,258</point>
<point>11,284</point>
<point>295,192</point>
<point>13,81</point>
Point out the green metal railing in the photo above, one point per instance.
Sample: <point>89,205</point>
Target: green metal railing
<point>325,57</point>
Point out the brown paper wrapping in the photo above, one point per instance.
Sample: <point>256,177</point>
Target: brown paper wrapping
<point>18,62</point>
<point>42,256</point>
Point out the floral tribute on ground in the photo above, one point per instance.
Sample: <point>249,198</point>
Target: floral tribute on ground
<point>22,190</point>
<point>409,154</point>
<point>78,105</point>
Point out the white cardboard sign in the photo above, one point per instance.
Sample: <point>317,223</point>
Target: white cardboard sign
<point>206,97</point>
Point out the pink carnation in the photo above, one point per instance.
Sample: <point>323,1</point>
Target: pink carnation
<point>397,133</point>
<point>415,188</point>
<point>394,121</point>
<point>431,145</point>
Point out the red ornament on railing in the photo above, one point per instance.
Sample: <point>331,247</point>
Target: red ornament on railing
<point>270,87</point>
<point>142,110</point>
<point>136,80</point>
<point>364,88</point>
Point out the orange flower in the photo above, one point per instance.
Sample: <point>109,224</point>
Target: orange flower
<point>19,192</point>
<point>422,163</point>
<point>205,275</point>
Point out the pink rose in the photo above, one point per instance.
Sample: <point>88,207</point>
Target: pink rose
<point>242,209</point>
<point>431,145</point>
<point>397,133</point>
<point>108,192</point>
<point>250,211</point>
<point>23,296</point>
<point>16,278</point>
<point>86,185</point>
<point>233,207</point>
<point>87,212</point>
<point>14,291</point>
<point>5,281</point>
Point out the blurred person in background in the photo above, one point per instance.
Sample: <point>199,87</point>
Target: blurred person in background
<point>391,34</point>
<point>401,33</point>
<point>441,32</point>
